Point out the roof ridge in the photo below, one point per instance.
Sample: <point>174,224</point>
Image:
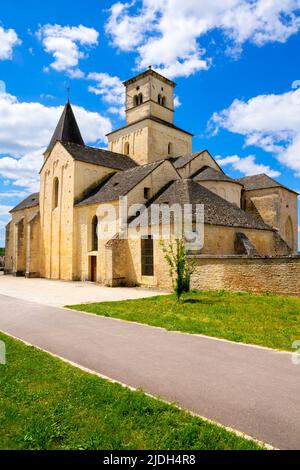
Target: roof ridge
<point>259,179</point>
<point>32,199</point>
<point>94,148</point>
<point>140,167</point>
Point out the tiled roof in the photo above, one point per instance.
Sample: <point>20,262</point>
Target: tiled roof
<point>261,181</point>
<point>155,119</point>
<point>180,162</point>
<point>67,129</point>
<point>99,156</point>
<point>30,201</point>
<point>211,174</point>
<point>183,160</point>
<point>119,184</point>
<point>217,211</point>
<point>147,73</point>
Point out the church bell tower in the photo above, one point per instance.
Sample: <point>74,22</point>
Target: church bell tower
<point>150,134</point>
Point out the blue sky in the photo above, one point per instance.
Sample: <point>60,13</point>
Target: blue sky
<point>236,64</point>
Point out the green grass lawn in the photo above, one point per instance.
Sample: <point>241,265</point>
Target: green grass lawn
<point>47,404</point>
<point>258,319</point>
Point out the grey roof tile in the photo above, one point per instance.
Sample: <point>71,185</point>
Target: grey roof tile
<point>211,174</point>
<point>261,181</point>
<point>217,211</point>
<point>155,119</point>
<point>98,156</point>
<point>30,201</point>
<point>67,129</point>
<point>182,160</point>
<point>119,184</point>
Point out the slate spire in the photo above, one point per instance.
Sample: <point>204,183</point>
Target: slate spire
<point>67,129</point>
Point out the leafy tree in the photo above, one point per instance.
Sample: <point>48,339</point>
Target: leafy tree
<point>181,269</point>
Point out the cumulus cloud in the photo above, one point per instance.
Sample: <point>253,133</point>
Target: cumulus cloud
<point>270,122</point>
<point>13,194</point>
<point>25,131</point>
<point>111,90</point>
<point>167,33</point>
<point>8,40</point>
<point>4,209</point>
<point>247,165</point>
<point>68,45</point>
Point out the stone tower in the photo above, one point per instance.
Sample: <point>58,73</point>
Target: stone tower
<point>150,134</point>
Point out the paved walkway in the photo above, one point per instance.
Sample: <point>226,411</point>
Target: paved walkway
<point>61,293</point>
<point>250,389</point>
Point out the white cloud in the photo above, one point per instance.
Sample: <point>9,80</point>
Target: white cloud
<point>3,222</point>
<point>67,45</point>
<point>25,131</point>
<point>13,194</point>
<point>247,165</point>
<point>167,33</point>
<point>177,102</point>
<point>5,209</point>
<point>111,90</point>
<point>271,122</point>
<point>8,40</point>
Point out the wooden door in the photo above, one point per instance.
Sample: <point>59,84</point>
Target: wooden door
<point>93,269</point>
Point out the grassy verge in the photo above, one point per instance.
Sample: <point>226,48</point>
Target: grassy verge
<point>258,319</point>
<point>47,404</point>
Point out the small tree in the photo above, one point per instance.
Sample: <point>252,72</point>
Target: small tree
<point>181,269</point>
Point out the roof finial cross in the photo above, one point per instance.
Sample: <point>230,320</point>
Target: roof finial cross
<point>68,88</point>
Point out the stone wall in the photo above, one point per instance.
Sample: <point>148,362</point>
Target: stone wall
<point>148,141</point>
<point>203,159</point>
<point>274,275</point>
<point>22,246</point>
<point>231,192</point>
<point>278,207</point>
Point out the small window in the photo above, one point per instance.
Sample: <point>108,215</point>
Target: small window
<point>126,148</point>
<point>55,193</point>
<point>140,99</point>
<point>170,148</point>
<point>95,233</point>
<point>163,101</point>
<point>146,193</point>
<point>135,100</point>
<point>147,256</point>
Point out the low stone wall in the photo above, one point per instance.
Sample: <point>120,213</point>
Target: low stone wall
<point>239,273</point>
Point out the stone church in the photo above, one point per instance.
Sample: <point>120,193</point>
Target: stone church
<point>250,224</point>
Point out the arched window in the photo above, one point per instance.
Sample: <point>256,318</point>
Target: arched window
<point>140,99</point>
<point>135,100</point>
<point>289,232</point>
<point>163,101</point>
<point>159,99</point>
<point>126,148</point>
<point>95,233</point>
<point>170,148</point>
<point>55,193</point>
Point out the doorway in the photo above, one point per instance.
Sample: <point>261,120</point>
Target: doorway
<point>93,268</point>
